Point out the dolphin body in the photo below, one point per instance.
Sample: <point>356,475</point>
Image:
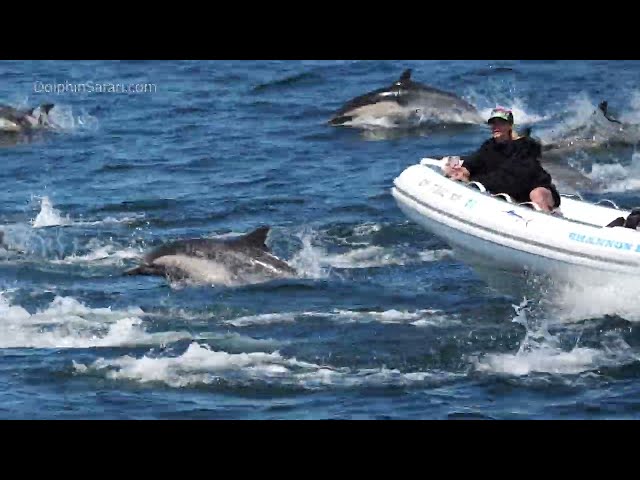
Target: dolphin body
<point>406,102</point>
<point>232,261</point>
<point>605,131</point>
<point>13,120</point>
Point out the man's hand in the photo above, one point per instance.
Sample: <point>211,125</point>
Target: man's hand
<point>457,172</point>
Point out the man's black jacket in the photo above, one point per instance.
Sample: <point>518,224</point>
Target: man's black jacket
<point>511,167</point>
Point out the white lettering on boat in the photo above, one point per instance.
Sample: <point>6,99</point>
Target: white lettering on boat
<point>602,242</point>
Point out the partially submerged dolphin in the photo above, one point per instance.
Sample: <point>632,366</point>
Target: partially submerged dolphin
<point>405,102</point>
<point>601,132</point>
<point>15,120</point>
<point>231,261</point>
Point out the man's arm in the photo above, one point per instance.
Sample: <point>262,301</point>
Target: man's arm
<point>475,163</point>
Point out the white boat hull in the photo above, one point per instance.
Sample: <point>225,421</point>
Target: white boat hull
<point>488,230</point>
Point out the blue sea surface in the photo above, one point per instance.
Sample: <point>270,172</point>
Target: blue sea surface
<point>384,320</point>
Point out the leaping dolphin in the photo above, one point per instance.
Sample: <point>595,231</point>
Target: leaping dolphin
<point>15,120</point>
<point>233,261</point>
<point>406,102</point>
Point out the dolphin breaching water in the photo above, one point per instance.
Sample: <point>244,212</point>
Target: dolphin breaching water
<point>405,103</point>
<point>20,121</point>
<point>238,260</point>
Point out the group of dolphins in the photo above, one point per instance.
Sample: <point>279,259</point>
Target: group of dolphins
<point>246,258</point>
<point>229,261</point>
<point>407,103</point>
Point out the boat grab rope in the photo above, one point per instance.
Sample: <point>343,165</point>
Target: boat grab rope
<point>573,195</point>
<point>611,202</point>
<point>442,163</point>
<point>478,185</point>
<point>504,196</point>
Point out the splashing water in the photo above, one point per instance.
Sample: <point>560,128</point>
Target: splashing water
<point>63,119</point>
<point>67,323</point>
<point>200,364</point>
<point>544,353</point>
<point>615,177</point>
<point>49,216</point>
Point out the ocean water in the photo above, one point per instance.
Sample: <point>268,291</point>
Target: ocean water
<point>383,321</point>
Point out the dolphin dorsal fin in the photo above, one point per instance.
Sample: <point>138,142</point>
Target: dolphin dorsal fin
<point>46,107</point>
<point>604,108</point>
<point>257,238</point>
<point>406,76</point>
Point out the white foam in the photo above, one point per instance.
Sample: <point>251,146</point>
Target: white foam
<point>49,216</point>
<point>67,323</point>
<point>112,220</point>
<point>420,318</point>
<point>201,365</point>
<point>367,229</point>
<point>265,319</point>
<point>314,261</point>
<point>542,352</point>
<point>585,299</point>
<point>103,255</point>
<point>436,255</point>
<point>63,118</point>
<point>308,260</point>
<point>543,360</point>
<point>238,341</point>
<point>375,256</point>
<point>615,177</point>
<point>371,256</point>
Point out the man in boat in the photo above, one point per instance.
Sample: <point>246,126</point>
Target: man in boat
<point>508,163</point>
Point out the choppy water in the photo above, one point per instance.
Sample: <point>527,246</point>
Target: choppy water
<point>384,322</point>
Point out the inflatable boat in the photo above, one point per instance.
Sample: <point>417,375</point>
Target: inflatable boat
<point>491,230</point>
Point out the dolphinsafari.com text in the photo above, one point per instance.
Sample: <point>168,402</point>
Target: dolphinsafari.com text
<point>93,87</point>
